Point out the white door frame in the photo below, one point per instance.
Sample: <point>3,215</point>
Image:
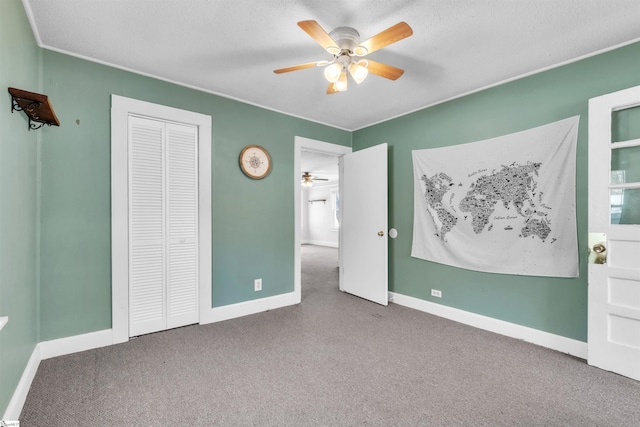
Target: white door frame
<point>121,108</point>
<point>306,144</point>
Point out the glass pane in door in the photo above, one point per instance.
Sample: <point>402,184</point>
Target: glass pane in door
<point>625,124</point>
<point>625,205</point>
<point>625,165</point>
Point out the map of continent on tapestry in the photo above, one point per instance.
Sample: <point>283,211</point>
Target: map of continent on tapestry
<point>502,205</point>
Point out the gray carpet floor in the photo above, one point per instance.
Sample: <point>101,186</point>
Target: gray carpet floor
<point>333,360</point>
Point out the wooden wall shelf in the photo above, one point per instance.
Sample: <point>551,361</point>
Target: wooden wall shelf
<point>36,106</point>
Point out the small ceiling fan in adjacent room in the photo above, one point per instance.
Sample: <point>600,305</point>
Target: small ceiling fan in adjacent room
<point>348,52</point>
<point>307,179</point>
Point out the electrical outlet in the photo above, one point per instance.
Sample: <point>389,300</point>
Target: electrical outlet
<point>257,285</point>
<point>436,293</point>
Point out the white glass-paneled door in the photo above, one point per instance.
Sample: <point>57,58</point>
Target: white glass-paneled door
<point>614,227</point>
<point>163,225</point>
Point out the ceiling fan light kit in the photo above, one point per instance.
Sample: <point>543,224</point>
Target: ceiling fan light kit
<point>345,46</point>
<point>307,180</point>
<point>359,70</point>
<point>341,84</point>
<point>332,72</point>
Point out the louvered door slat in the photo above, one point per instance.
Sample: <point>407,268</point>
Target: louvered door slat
<point>183,281</point>
<point>147,301</point>
<point>182,210</point>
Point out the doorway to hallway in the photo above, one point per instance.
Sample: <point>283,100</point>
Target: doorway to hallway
<point>305,146</point>
<point>320,271</point>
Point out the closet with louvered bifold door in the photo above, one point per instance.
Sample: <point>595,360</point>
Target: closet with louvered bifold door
<point>163,225</point>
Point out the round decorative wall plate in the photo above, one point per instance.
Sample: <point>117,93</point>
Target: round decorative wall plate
<point>255,161</point>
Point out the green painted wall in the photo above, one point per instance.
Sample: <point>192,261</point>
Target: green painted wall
<point>252,220</point>
<point>554,305</point>
<point>20,62</point>
<point>55,230</point>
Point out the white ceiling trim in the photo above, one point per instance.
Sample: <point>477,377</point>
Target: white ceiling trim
<point>246,40</point>
<point>522,76</point>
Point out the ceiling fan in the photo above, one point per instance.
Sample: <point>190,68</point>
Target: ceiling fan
<point>347,49</point>
<point>307,179</point>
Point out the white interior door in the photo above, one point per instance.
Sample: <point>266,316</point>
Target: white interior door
<point>614,226</point>
<point>147,307</point>
<point>163,225</point>
<point>363,236</point>
<point>182,225</point>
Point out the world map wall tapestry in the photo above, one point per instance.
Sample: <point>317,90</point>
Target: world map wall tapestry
<point>502,205</point>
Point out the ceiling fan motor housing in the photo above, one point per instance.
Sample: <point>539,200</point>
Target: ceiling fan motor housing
<point>347,38</point>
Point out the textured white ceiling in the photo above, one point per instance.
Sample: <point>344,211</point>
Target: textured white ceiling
<point>231,48</point>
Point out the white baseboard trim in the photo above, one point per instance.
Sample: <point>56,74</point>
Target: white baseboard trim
<point>20,394</point>
<point>46,350</point>
<point>320,243</point>
<point>535,336</point>
<point>62,346</point>
<point>75,344</point>
<point>227,312</point>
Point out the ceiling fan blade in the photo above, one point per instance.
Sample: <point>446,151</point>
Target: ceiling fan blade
<point>295,67</point>
<point>321,179</point>
<point>318,33</point>
<point>331,89</point>
<point>391,35</point>
<point>384,70</point>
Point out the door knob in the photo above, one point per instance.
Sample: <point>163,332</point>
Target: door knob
<point>380,233</point>
<point>597,248</point>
